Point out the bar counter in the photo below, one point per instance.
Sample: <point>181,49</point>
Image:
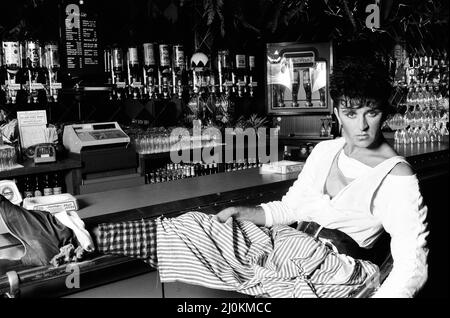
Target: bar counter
<point>104,274</point>
<point>426,159</point>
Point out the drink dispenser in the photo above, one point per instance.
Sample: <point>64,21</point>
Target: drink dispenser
<point>12,65</point>
<point>52,65</point>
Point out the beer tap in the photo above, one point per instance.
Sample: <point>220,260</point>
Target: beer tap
<point>251,83</point>
<point>241,76</point>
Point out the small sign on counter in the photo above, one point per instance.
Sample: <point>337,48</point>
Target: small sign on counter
<point>281,167</point>
<point>32,127</point>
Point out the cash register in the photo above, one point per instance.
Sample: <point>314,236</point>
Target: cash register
<point>93,136</point>
<point>107,157</point>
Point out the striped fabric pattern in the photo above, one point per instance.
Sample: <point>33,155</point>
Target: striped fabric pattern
<point>135,239</point>
<point>239,256</point>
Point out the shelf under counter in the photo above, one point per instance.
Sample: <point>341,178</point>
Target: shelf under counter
<point>29,167</point>
<point>71,166</point>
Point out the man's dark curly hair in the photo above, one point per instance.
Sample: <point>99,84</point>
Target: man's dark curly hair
<point>361,78</point>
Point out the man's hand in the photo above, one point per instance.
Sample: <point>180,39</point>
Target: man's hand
<point>226,214</point>
<point>252,214</point>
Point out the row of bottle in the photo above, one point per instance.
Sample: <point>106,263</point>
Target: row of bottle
<point>428,95</point>
<point>40,185</point>
<point>155,71</point>
<point>30,66</point>
<point>420,68</point>
<point>191,170</point>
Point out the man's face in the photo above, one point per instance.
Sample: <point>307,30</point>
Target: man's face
<point>361,126</point>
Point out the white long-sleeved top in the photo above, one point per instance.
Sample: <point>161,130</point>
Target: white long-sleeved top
<point>374,201</point>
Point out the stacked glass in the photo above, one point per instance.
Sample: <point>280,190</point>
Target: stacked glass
<point>425,119</point>
<point>154,141</point>
<point>8,158</point>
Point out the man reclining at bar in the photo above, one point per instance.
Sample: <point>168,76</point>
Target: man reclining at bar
<point>349,192</point>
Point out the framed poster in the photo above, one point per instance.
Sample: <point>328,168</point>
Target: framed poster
<point>297,78</point>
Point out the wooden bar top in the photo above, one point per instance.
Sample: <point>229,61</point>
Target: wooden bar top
<point>152,194</point>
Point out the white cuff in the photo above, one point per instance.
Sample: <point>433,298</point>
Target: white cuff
<point>267,214</point>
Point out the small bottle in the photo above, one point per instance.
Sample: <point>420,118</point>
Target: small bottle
<point>286,154</point>
<point>48,190</point>
<point>28,189</point>
<point>57,189</point>
<point>37,188</point>
<point>323,130</point>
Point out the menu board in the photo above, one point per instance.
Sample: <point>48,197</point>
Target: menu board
<point>80,40</point>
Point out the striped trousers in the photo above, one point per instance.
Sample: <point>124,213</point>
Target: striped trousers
<point>237,256</point>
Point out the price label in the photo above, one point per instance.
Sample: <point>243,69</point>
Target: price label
<point>36,86</point>
<point>13,86</point>
<point>56,85</point>
<point>120,84</point>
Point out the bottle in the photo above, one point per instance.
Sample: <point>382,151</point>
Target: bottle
<point>307,87</point>
<point>57,189</point>
<point>133,63</point>
<point>11,69</point>
<point>286,154</point>
<point>164,70</point>
<point>150,68</point>
<point>48,190</point>
<point>295,87</point>
<point>52,66</point>
<point>133,72</point>
<point>178,69</point>
<point>323,130</point>
<point>11,57</point>
<point>28,189</point>
<point>34,61</point>
<point>117,64</point>
<point>107,63</point>
<point>37,188</point>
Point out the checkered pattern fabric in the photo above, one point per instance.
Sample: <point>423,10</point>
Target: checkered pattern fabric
<point>132,238</point>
